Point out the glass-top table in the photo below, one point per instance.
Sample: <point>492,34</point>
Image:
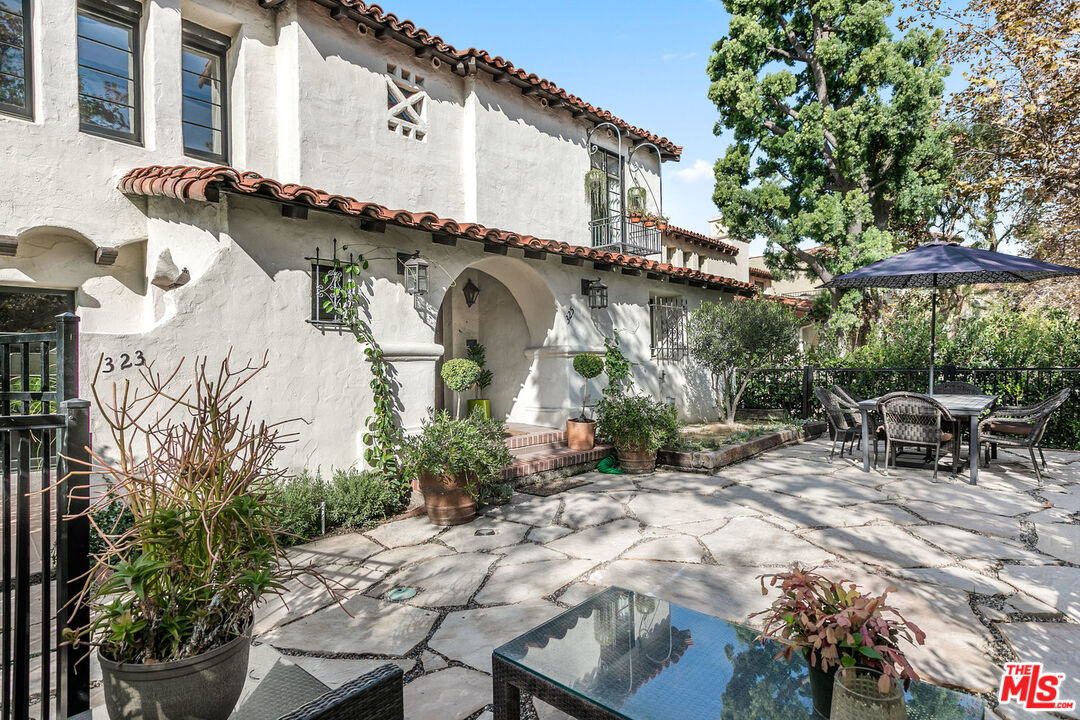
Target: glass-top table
<point>630,656</point>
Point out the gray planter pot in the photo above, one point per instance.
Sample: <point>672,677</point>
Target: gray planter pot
<point>204,687</point>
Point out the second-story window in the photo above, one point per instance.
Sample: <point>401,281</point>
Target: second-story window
<point>15,84</point>
<point>109,97</point>
<point>205,103</point>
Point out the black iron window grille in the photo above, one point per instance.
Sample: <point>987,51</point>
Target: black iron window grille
<point>205,93</point>
<point>109,72</point>
<point>667,316</point>
<point>329,280</point>
<point>16,86</point>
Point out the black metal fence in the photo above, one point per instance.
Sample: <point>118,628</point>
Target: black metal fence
<point>792,389</point>
<point>44,432</point>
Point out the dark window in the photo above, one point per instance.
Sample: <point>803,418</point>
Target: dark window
<point>26,310</point>
<point>109,97</point>
<point>668,320</point>
<point>324,280</point>
<point>205,101</point>
<point>15,52</point>
<point>609,162</point>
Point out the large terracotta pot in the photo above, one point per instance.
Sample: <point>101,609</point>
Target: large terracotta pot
<point>635,462</point>
<point>581,435</point>
<point>445,498</point>
<point>204,687</point>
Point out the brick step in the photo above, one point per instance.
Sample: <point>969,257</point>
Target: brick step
<point>553,459</point>
<point>539,448</point>
<point>546,437</point>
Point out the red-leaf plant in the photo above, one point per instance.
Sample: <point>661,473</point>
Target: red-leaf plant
<point>837,625</point>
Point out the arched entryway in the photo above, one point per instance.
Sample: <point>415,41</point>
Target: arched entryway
<point>513,312</point>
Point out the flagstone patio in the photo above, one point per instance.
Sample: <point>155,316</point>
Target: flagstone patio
<point>989,572</point>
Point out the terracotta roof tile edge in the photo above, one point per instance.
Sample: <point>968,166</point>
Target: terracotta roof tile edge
<point>700,239</point>
<point>184,182</point>
<point>761,272</point>
<point>498,65</point>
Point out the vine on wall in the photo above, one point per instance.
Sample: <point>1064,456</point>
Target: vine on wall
<point>345,298</point>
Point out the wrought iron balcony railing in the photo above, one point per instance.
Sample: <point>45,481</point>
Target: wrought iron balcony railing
<point>615,233</point>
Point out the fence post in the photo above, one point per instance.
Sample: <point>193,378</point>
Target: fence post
<point>67,356</point>
<point>807,390</point>
<point>72,556</point>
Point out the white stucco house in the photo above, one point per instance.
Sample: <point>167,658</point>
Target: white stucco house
<point>176,172</point>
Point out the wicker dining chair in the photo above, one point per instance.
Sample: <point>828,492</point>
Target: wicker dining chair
<point>1020,426</point>
<point>842,427</point>
<point>912,419</point>
<point>377,695</point>
<point>957,387</point>
<point>849,403</point>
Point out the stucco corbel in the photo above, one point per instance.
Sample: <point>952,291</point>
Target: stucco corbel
<point>9,245</point>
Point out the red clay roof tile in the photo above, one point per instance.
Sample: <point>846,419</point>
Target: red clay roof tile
<point>375,15</point>
<point>704,240</point>
<point>761,273</point>
<point>184,182</point>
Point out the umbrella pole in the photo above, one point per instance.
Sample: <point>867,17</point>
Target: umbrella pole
<point>933,336</point>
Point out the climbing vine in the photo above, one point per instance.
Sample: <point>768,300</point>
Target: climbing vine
<point>344,297</point>
<point>620,378</point>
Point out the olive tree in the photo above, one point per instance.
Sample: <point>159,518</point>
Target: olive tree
<point>732,340</point>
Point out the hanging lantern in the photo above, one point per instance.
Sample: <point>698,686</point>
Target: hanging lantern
<point>471,291</point>
<point>596,292</point>
<point>416,275</point>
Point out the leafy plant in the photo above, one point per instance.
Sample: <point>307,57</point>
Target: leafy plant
<point>635,198</point>
<point>197,473</point>
<point>596,192</point>
<point>637,423</point>
<point>588,366</point>
<point>113,518</point>
<point>732,340</point>
<point>346,299</point>
<point>836,625</point>
<point>459,375</point>
<point>357,499</point>
<point>620,378</point>
<point>474,447</point>
<point>299,499</point>
<point>477,353</point>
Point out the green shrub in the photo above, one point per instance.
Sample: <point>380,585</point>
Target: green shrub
<point>114,519</point>
<point>359,499</point>
<point>300,497</point>
<point>460,374</point>
<point>637,423</point>
<point>587,366</point>
<point>475,447</point>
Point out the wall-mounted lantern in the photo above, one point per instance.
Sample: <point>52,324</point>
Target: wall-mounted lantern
<point>471,291</point>
<point>416,275</point>
<point>596,292</point>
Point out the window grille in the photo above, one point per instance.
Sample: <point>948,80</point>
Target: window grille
<point>667,316</point>
<point>16,88</point>
<point>325,278</point>
<point>109,102</point>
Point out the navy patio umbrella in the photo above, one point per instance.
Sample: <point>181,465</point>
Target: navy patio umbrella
<point>944,264</point>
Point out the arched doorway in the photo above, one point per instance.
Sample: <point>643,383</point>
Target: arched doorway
<point>513,312</point>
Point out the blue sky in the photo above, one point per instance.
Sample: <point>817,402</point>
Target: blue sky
<point>643,61</point>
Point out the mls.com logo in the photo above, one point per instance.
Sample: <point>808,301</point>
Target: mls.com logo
<point>1027,685</point>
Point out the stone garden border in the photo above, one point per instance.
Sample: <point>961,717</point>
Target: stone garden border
<point>704,460</point>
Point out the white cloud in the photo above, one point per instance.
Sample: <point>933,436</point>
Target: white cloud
<point>678,56</point>
<point>697,172</point>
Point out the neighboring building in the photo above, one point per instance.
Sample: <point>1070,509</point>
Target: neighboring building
<point>168,175</point>
<point>798,285</point>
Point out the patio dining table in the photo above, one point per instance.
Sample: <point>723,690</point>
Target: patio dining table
<point>959,406</point>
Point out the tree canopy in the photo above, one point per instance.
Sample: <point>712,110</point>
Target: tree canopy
<point>835,139</point>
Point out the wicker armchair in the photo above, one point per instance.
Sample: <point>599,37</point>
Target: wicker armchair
<point>841,426</point>
<point>378,695</point>
<point>1020,426</point>
<point>916,420</point>
<point>849,403</point>
<point>957,387</point>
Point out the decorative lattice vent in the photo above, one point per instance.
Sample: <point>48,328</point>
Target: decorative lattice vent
<point>406,103</point>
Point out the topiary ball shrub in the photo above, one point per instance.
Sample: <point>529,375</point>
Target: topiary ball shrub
<point>588,365</point>
<point>460,374</point>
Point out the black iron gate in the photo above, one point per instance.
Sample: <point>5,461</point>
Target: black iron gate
<point>44,433</point>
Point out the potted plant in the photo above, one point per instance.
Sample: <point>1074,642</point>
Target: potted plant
<point>459,375</point>
<point>835,625</point>
<point>635,215</point>
<point>456,463</point>
<point>596,192</point>
<point>637,426</point>
<point>661,223</point>
<point>476,353</point>
<point>172,592</point>
<point>581,431</point>
<point>635,199</point>
<point>648,219</point>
